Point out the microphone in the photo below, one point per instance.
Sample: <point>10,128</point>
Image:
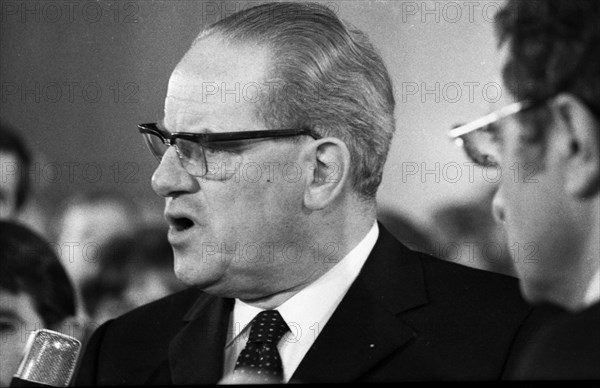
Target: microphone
<point>49,361</point>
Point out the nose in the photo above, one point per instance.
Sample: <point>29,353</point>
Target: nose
<point>498,207</point>
<point>170,179</point>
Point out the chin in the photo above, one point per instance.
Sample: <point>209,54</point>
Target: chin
<point>187,278</point>
<point>201,278</point>
<point>184,273</point>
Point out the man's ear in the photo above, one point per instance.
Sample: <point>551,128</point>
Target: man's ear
<point>330,159</point>
<point>581,151</point>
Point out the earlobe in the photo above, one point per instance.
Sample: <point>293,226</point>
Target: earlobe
<point>582,152</point>
<point>330,159</point>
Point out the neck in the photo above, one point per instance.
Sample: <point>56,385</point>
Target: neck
<point>593,256</point>
<point>588,290</point>
<point>593,293</point>
<point>334,241</point>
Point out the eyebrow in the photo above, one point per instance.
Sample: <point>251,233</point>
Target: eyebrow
<point>161,125</point>
<point>10,314</point>
<point>496,131</point>
<point>492,127</point>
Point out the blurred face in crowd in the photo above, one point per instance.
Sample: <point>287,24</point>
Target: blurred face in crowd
<point>144,286</point>
<point>17,317</point>
<point>224,226</point>
<point>9,181</point>
<point>85,229</point>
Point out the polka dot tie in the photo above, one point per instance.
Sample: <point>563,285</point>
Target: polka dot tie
<point>260,361</point>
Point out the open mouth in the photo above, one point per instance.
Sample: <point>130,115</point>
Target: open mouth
<point>181,223</point>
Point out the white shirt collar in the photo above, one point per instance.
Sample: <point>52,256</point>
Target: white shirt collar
<point>317,301</point>
<point>306,313</point>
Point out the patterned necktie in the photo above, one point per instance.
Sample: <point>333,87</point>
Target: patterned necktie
<point>259,361</point>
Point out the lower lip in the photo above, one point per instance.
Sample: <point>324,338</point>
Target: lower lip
<point>178,237</point>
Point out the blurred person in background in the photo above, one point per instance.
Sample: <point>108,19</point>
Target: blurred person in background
<point>86,222</point>
<point>551,65</point>
<point>462,232</point>
<point>35,293</point>
<point>134,270</point>
<point>15,162</point>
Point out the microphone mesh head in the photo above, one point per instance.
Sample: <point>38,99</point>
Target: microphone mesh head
<point>50,358</point>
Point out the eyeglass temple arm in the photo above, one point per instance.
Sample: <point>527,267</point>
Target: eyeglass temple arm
<point>487,119</point>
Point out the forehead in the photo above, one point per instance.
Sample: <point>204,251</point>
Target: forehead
<point>18,306</point>
<point>216,84</point>
<point>8,164</point>
<point>503,56</point>
<point>95,221</point>
<point>8,172</point>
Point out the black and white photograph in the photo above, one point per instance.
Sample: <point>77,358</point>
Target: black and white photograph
<point>269,192</point>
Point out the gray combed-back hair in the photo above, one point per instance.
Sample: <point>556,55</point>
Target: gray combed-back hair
<point>328,78</point>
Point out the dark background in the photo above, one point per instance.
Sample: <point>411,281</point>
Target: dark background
<point>77,77</point>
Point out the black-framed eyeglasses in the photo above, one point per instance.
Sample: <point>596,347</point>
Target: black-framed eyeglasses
<point>197,151</point>
<point>480,138</point>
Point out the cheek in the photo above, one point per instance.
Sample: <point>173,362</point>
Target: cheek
<point>11,351</point>
<point>261,194</point>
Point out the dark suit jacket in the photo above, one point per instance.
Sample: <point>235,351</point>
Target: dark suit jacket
<point>567,349</point>
<point>408,316</point>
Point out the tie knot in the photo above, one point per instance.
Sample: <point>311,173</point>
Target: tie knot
<point>267,326</point>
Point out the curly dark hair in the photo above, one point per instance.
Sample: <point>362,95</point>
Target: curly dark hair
<point>29,264</point>
<point>554,47</point>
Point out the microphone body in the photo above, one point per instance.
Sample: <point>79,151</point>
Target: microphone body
<point>49,361</point>
<point>17,382</point>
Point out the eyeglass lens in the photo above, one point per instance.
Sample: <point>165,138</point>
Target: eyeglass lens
<point>197,159</point>
<point>190,154</point>
<point>482,146</point>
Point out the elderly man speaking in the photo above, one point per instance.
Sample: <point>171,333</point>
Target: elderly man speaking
<point>277,125</point>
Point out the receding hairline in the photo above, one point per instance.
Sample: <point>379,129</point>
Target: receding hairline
<point>224,44</point>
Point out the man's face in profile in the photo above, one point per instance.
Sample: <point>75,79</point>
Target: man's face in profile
<point>529,202</point>
<point>228,228</point>
<point>9,180</point>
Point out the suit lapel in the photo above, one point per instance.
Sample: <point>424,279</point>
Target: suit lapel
<point>196,352</point>
<point>365,327</point>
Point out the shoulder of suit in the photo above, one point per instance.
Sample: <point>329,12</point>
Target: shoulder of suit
<point>461,285</point>
<point>575,328</point>
<point>437,266</point>
<point>163,310</point>
<point>567,348</point>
